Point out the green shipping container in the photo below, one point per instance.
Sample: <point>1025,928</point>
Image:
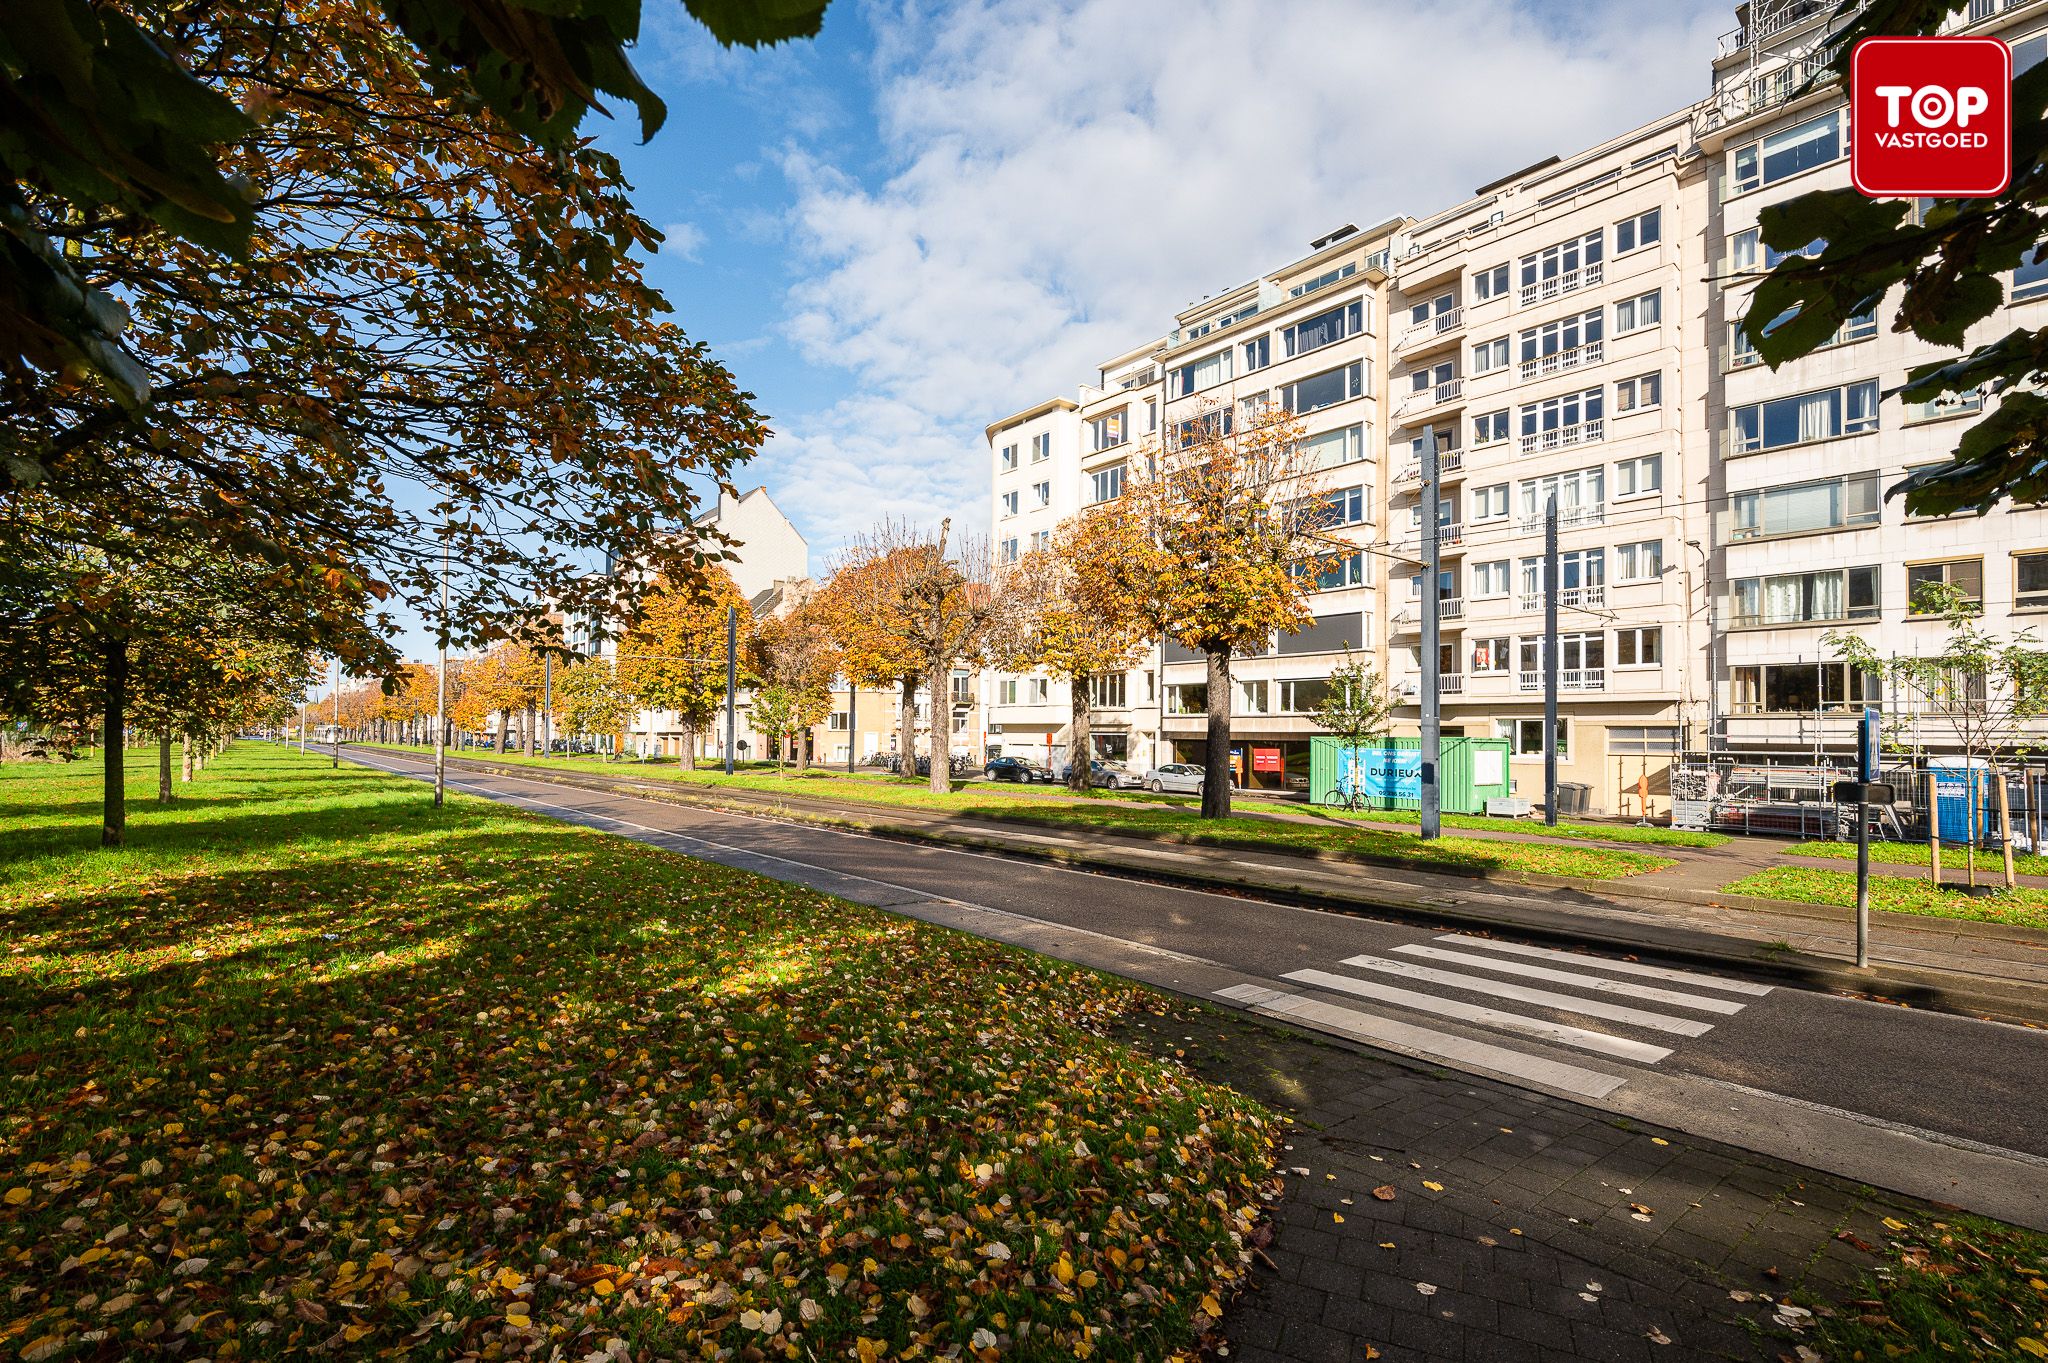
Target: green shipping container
<point>1389,772</point>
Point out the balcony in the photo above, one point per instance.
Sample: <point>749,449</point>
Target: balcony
<point>1569,679</point>
<point>1571,598</point>
<point>1564,437</point>
<point>1449,537</point>
<point>1558,285</point>
<point>1450,608</point>
<point>1424,399</point>
<point>1448,462</point>
<point>1557,362</point>
<point>1439,327</point>
<point>1450,683</point>
<point>1569,517</point>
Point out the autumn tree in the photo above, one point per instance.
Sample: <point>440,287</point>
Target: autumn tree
<point>590,699</point>
<point>505,681</point>
<point>871,652</point>
<point>773,714</point>
<point>897,594</point>
<point>796,650</point>
<point>1049,623</point>
<point>1214,544</point>
<point>673,658</point>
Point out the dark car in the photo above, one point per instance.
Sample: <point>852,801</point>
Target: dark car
<point>1021,769</point>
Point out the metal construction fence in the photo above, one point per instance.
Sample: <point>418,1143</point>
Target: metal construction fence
<point>1792,796</point>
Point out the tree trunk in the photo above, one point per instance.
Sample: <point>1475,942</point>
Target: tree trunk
<point>906,726</point>
<point>942,728</point>
<point>1077,736</point>
<point>504,727</point>
<point>803,751</point>
<point>526,730</point>
<point>1216,763</point>
<point>690,745</point>
<point>114,804</point>
<point>163,766</point>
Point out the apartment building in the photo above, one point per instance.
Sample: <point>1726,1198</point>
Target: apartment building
<point>1035,458</point>
<point>1567,335</point>
<point>1804,540</point>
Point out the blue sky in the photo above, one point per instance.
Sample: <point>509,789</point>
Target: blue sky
<point>936,214</point>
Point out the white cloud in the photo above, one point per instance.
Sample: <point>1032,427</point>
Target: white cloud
<point>1062,179</point>
<point>683,240</point>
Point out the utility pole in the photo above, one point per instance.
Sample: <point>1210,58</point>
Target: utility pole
<point>1550,575</point>
<point>337,712</point>
<point>1430,802</point>
<point>732,677</point>
<point>852,700</point>
<point>305,707</point>
<point>441,693</point>
<point>1866,772</point>
<point>547,702</point>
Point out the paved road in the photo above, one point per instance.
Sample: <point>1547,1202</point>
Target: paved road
<point>1926,1103</point>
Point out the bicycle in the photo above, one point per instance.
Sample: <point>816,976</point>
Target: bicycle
<point>1350,798</point>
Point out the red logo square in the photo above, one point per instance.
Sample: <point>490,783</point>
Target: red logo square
<point>1930,117</point>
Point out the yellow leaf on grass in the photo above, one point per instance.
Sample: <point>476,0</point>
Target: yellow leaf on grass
<point>17,1196</point>
<point>1211,1307</point>
<point>602,1287</point>
<point>2037,1347</point>
<point>1892,1223</point>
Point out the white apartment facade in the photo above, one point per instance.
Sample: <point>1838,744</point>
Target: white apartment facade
<point>1035,458</point>
<point>1567,333</point>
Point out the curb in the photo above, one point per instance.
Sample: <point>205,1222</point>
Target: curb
<point>1908,986</point>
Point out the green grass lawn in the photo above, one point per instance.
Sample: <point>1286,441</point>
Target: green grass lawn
<point>1174,819</point>
<point>2023,907</point>
<point>311,1066</point>
<point>1961,1287</point>
<point>1915,854</point>
<point>1565,829</point>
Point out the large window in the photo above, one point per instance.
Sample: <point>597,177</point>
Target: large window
<point>1492,655</point>
<point>1822,415</point>
<point>1806,598</point>
<point>1108,432</point>
<point>2030,581</point>
<point>1565,420</point>
<point>1489,427</point>
<point>1638,477</point>
<point>1552,264</point>
<point>1641,230</point>
<point>1107,691</point>
<point>1187,698</point>
<point>1488,356</point>
<point>1489,503</point>
<point>1566,334</point>
<point>1581,495</point>
<point>1439,306</point>
<point>1783,688</point>
<point>1206,372</point>
<point>1525,736</point>
<point>1341,506</point>
<point>1642,646</point>
<point>1634,395</point>
<point>1106,485</point>
<point>1640,561</point>
<point>1331,449</point>
<point>1633,314</point>
<point>1335,573</point>
<point>2030,280</point>
<point>1490,578</point>
<point>1965,575</point>
<point>1784,154</point>
<point>1304,695</point>
<point>1196,429</point>
<point>1257,353</point>
<point>1326,389</point>
<point>1834,504</point>
<point>1325,328</point>
<point>1324,280</point>
<point>1489,284</point>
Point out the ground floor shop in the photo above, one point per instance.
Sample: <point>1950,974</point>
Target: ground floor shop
<point>1267,762</point>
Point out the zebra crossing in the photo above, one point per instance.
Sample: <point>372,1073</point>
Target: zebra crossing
<point>1589,1004</point>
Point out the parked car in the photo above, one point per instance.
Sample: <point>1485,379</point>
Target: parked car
<point>1182,777</point>
<point>1020,769</point>
<point>1102,775</point>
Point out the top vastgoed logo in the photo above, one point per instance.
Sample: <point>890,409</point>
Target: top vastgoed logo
<point>1931,117</point>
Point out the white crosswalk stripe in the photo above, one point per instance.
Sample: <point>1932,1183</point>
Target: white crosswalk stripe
<point>1423,981</point>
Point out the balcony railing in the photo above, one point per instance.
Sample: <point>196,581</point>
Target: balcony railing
<point>1448,462</point>
<point>1450,608</point>
<point>1450,683</point>
<point>1569,679</point>
<point>1431,327</point>
<point>1560,360</point>
<point>1423,399</point>
<point>1569,598</point>
<point>1570,281</point>
<point>1569,517</point>
<point>1564,437</point>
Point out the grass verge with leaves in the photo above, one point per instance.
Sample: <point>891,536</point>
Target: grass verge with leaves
<point>310,1065</point>
<point>1957,1288</point>
<point>1915,854</point>
<point>1564,831</point>
<point>2024,907</point>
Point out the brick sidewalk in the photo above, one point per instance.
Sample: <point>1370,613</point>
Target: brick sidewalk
<point>1534,1248</point>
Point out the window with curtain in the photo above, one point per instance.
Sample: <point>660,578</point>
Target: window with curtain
<point>1838,503</point>
<point>1332,449</point>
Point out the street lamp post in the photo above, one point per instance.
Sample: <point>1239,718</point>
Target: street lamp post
<point>337,712</point>
<point>441,694</point>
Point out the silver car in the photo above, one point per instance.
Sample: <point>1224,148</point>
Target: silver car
<point>1182,777</point>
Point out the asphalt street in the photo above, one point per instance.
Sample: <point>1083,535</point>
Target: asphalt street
<point>1805,1074</point>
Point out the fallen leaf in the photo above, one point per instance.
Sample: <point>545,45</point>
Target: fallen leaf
<point>1385,1192</point>
<point>1432,1185</point>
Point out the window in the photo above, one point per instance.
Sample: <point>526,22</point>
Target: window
<point>1490,578</point>
<point>1642,561</point>
<point>1822,415</point>
<point>2028,54</point>
<point>1558,266</point>
<point>1489,427</point>
<point>1647,741</point>
<point>1324,329</point>
<point>1772,255</point>
<point>1006,693</point>
<point>1946,406</point>
<point>1806,598</point>
<point>1151,415</point>
<point>1346,445</point>
<point>1489,503</point>
<point>1775,688</point>
<point>1560,338</point>
<point>1106,691</point>
<point>1436,307</point>
<point>1108,432</point>
<point>1037,690</point>
<point>1106,485</point>
<point>837,720</point>
<point>1253,698</point>
<point>1253,406</point>
<point>1256,353</point>
<point>1009,550</point>
<point>1488,356</point>
<point>1208,425</point>
<point>1639,477</point>
<point>1206,372</point>
<point>1966,575</point>
<point>1525,736</point>
<point>1832,504</point>
<point>1326,389</point>
<point>1489,284</point>
<point>1785,154</point>
<point>1491,655</point>
<point>1009,457</point>
<point>1343,506</point>
<point>1581,652</point>
<point>1324,280</point>
<point>1446,514</point>
<point>1581,496</point>
<point>1304,696</point>
<point>2030,581</point>
<point>1423,379</point>
<point>1634,395</point>
<point>1641,230</point>
<point>1335,573</point>
<point>1041,494</point>
<point>1041,539</point>
<point>1633,314</point>
<point>1639,647</point>
<point>1446,585</point>
<point>2030,280</point>
<point>1010,502</point>
<point>1563,420</point>
<point>1742,249</point>
<point>1041,447</point>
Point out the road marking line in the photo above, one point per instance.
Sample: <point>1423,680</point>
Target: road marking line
<point>1570,1003</point>
<point>1622,1048</point>
<point>1593,982</point>
<point>1653,972</point>
<point>1425,1042</point>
